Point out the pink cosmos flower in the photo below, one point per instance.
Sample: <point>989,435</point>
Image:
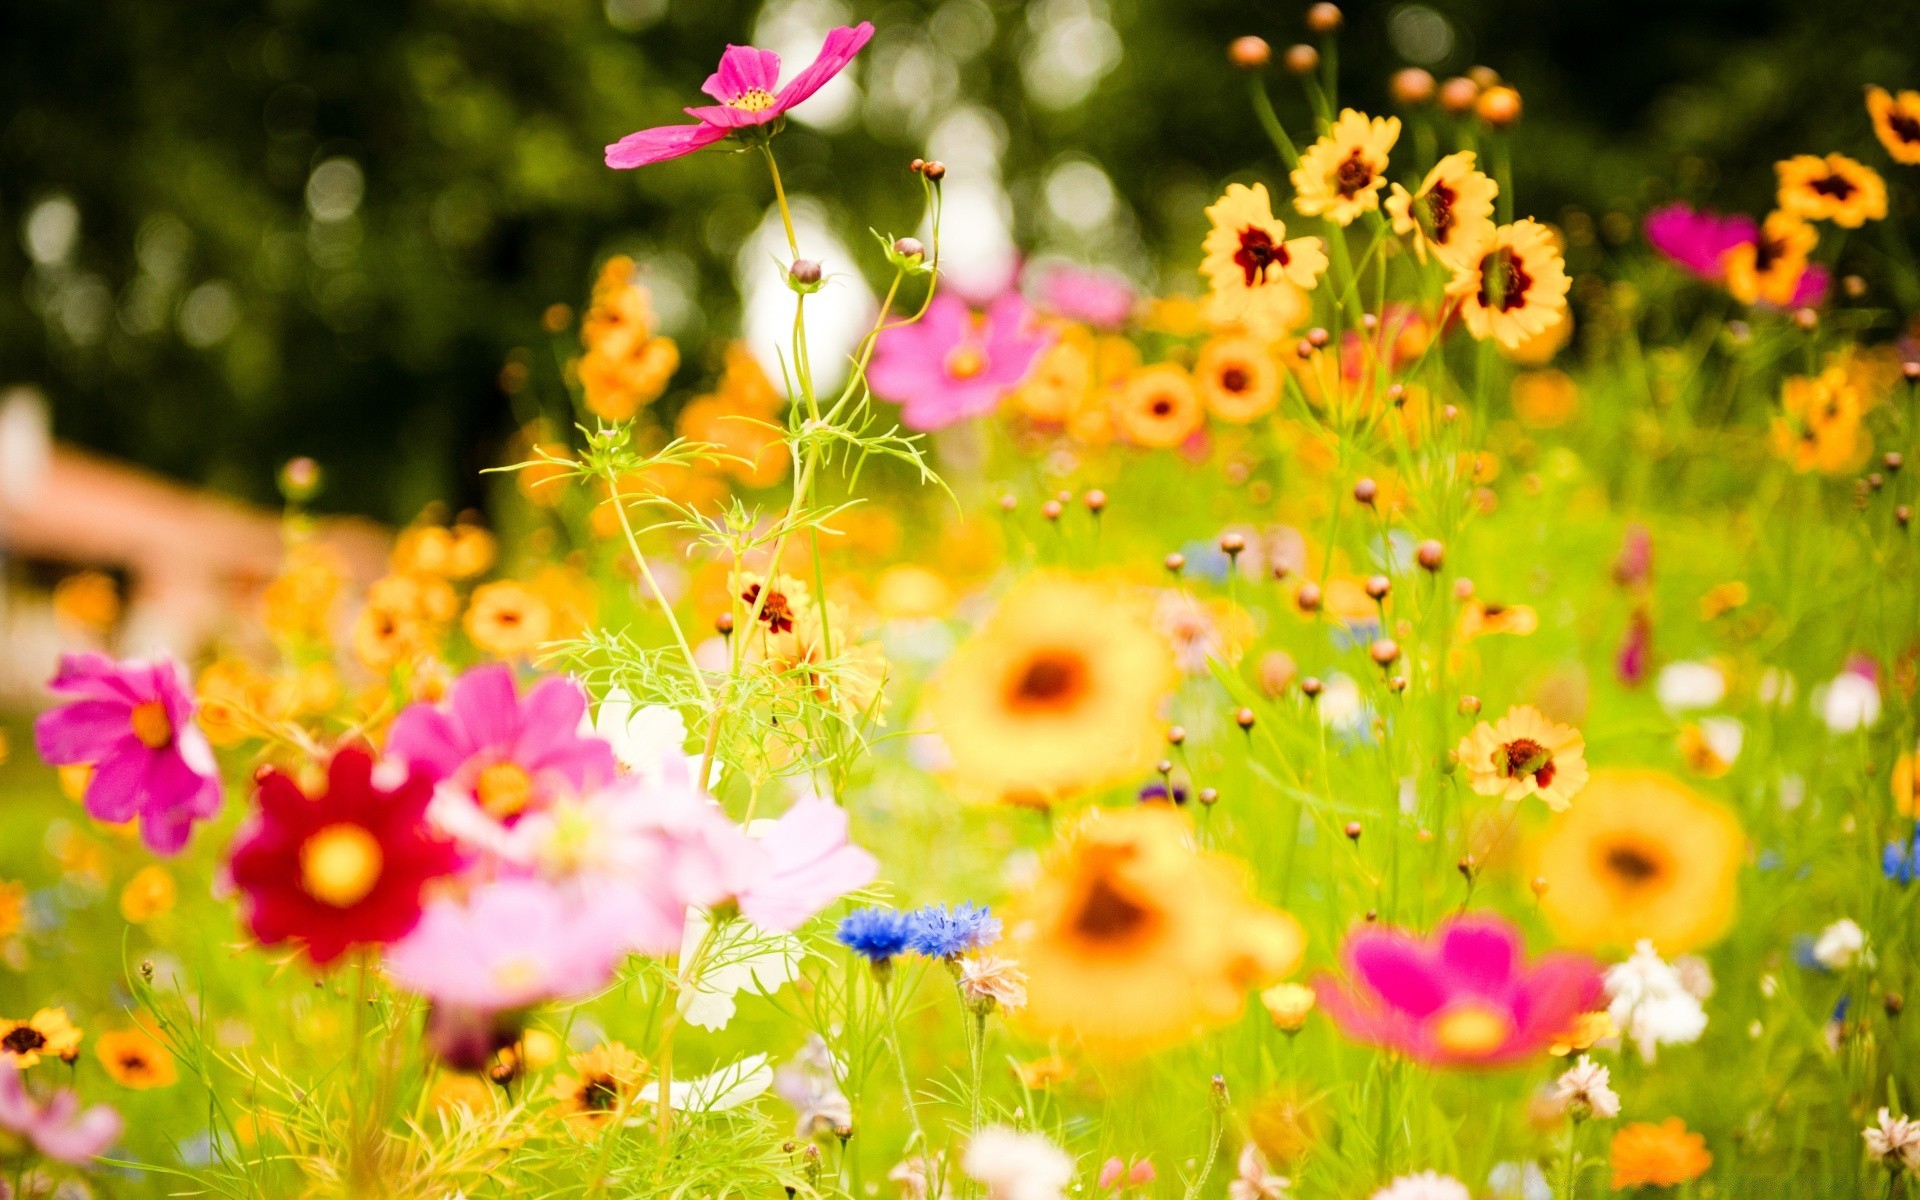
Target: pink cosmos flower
<point>132,722</point>
<point>952,365</point>
<point>808,863</point>
<point>1811,291</point>
<point>58,1129</point>
<point>1463,997</point>
<point>497,755</point>
<point>747,87</point>
<point>1103,299</point>
<point>1695,239</point>
<point>515,942</point>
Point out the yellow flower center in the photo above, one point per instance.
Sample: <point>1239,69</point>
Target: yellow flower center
<point>340,864</point>
<point>753,100</point>
<point>517,973</point>
<point>504,790</point>
<point>1471,1030</point>
<point>966,361</point>
<point>152,725</point>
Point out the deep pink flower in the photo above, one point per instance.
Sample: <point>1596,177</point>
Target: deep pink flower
<point>1103,299</point>
<point>1635,655</point>
<point>1694,239</point>
<point>1811,291</point>
<point>58,1129</point>
<point>132,722</point>
<point>1463,997</point>
<point>952,364</point>
<point>497,755</point>
<point>747,85</point>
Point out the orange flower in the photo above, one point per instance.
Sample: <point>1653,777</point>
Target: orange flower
<point>135,1060</point>
<point>1238,378</point>
<point>1896,122</point>
<point>1662,1155</point>
<point>508,619</point>
<point>626,366</point>
<point>1159,407</point>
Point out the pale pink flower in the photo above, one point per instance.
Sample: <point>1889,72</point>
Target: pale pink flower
<point>915,1176</point>
<point>1101,298</point>
<point>988,979</point>
<point>58,1129</point>
<point>1017,1166</point>
<point>808,864</point>
<point>1894,1141</point>
<point>1584,1091</point>
<point>1427,1185</point>
<point>1252,1180</point>
<point>952,365</point>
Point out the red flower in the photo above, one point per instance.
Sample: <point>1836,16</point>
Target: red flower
<point>341,869</point>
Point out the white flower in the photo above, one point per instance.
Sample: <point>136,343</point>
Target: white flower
<point>1695,976</point>
<point>1894,1141</point>
<point>741,958</point>
<point>1519,1181</point>
<point>1253,1181</point>
<point>914,1177</point>
<point>649,742</point>
<point>1683,686</point>
<point>985,977</point>
<point>1650,1003</point>
<point>1850,702</point>
<point>1342,706</point>
<point>1840,945</point>
<point>1017,1166</point>
<point>729,1087</point>
<point>810,1082</point>
<point>1584,1091</point>
<point>1427,1185</point>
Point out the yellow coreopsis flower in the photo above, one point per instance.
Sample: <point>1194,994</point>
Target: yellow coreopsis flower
<point>1896,122</point>
<point>1450,214</point>
<point>1257,276</point>
<point>1769,267</point>
<point>1340,176</point>
<point>1524,754</point>
<point>1834,188</point>
<point>1513,285</point>
<point>1819,425</point>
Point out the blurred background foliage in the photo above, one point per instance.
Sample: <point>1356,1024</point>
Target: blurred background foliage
<point>244,230</point>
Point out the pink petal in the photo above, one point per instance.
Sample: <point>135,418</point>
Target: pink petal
<point>486,706</point>
<point>842,44</point>
<point>1399,970</point>
<point>742,70</point>
<point>118,784</point>
<point>1559,988</point>
<point>812,865</point>
<point>98,676</point>
<point>649,146</point>
<point>83,731</point>
<point>427,739</point>
<point>1479,955</point>
<point>731,118</point>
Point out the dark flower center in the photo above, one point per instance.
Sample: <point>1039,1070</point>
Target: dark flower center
<point>1107,916</point>
<point>1836,185</point>
<point>776,612</point>
<point>1439,208</point>
<point>1503,281</point>
<point>1161,407</point>
<point>23,1039</point>
<point>599,1094</point>
<point>1632,865</point>
<point>1234,379</point>
<point>1352,175</point>
<point>1050,680</point>
<point>1524,756</point>
<point>1766,252</point>
<point>1257,252</point>
<point>1904,126</point>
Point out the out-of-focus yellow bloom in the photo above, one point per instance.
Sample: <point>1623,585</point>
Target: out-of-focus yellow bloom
<point>1159,407</point>
<point>134,1059</point>
<point>1450,214</point>
<point>1722,598</point>
<point>47,1033</point>
<point>626,366</point>
<point>1896,122</point>
<point>1341,174</point>
<point>1834,188</point>
<point>1513,286</point>
<point>907,591</point>
<point>148,894</point>
<point>1588,1029</point>
<point>1289,1005</point>
<point>1238,378</point>
<point>1545,399</point>
<point>13,907</point>
<point>88,600</point>
<point>507,619</point>
<point>603,1084</point>
<point>300,601</point>
<point>1819,427</point>
<point>1769,268</point>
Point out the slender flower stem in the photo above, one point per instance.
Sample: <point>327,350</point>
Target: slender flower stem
<point>653,585</point>
<point>900,1060</point>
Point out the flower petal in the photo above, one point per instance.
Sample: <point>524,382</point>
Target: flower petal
<point>742,70</point>
<point>649,146</point>
<point>842,44</point>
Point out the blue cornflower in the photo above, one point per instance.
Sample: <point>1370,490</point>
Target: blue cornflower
<point>876,934</point>
<point>1901,863</point>
<point>938,933</point>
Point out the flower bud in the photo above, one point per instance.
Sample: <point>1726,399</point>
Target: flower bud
<point>1458,94</point>
<point>1174,563</point>
<point>300,479</point>
<point>1288,1004</point>
<point>936,171</point>
<point>1431,555</point>
<point>1249,53</point>
<point>1323,18</point>
<point>1385,652</point>
<point>1378,586</point>
<point>1484,77</point>
<point>1365,490</point>
<point>907,247</point>
<point>1244,718</point>
<point>1353,831</point>
<point>1311,687</point>
<point>1232,544</point>
<point>1208,797</point>
<point>1308,598</point>
<point>1095,500</point>
<point>1051,510</point>
<point>1302,59</point>
<point>1412,86</point>
<point>806,272</point>
<point>1498,106</point>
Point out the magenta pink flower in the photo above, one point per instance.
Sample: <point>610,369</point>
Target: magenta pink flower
<point>1811,291</point>
<point>1463,997</point>
<point>1695,239</point>
<point>497,755</point>
<point>132,722</point>
<point>952,364</point>
<point>57,1129</point>
<point>747,85</point>
<point>1103,299</point>
<point>512,943</point>
<point>808,864</point>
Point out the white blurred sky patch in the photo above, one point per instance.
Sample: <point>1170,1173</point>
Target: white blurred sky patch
<point>838,315</point>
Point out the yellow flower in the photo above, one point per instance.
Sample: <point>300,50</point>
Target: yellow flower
<point>1722,598</point>
<point>1238,379</point>
<point>1834,188</point>
<point>148,894</point>
<point>299,602</point>
<point>1159,407</point>
<point>470,1092</point>
<point>1524,754</point>
<point>625,366</point>
<point>13,907</point>
<point>1340,176</point>
<point>1513,285</point>
<point>1043,1073</point>
<point>1480,618</point>
<point>1662,1155</point>
<point>1132,938</point>
<point>1545,399</point>
<point>135,1060</point>
<point>1289,1004</point>
<point>604,1082</point>
<point>1905,784</point>
<point>508,619</point>
<point>1641,856</point>
<point>1819,426</point>
<point>1257,276</point>
<point>89,600</point>
<point>1450,214</point>
<point>1896,122</point>
<point>47,1032</point>
<point>1060,690</point>
<point>1768,269</point>
<point>1588,1028</point>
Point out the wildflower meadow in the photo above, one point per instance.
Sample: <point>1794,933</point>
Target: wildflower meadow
<point>1418,703</point>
